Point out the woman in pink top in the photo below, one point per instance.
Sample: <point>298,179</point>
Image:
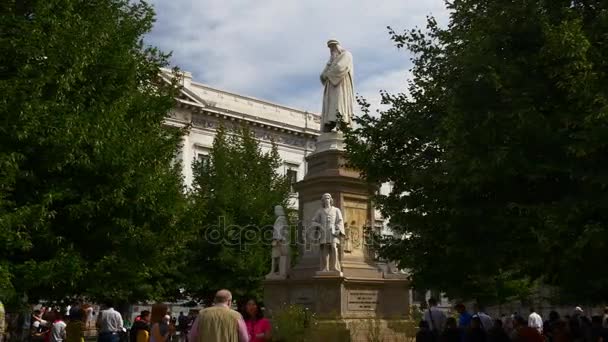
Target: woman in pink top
<point>258,327</point>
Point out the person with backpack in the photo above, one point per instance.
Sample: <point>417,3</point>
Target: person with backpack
<point>435,318</point>
<point>140,330</point>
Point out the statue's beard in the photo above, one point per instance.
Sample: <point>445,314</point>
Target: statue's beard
<point>333,56</point>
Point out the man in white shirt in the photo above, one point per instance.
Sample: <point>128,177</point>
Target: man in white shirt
<point>58,328</point>
<point>435,317</point>
<point>109,325</point>
<point>535,321</point>
<point>487,322</point>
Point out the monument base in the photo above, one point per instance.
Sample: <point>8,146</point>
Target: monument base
<point>276,276</point>
<point>341,298</point>
<point>330,274</point>
<point>361,307</point>
<point>330,141</point>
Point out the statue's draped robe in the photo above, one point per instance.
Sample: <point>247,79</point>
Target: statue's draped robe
<point>280,235</point>
<point>330,223</point>
<point>338,96</point>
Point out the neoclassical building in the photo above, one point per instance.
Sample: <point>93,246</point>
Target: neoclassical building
<point>206,108</point>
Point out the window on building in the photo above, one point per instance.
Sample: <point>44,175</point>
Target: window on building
<point>292,175</point>
<point>203,158</point>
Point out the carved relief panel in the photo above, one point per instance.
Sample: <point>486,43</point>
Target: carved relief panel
<point>355,219</point>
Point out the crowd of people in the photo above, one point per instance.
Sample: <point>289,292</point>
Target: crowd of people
<point>478,326</point>
<point>51,325</point>
<point>216,323</point>
<point>219,322</point>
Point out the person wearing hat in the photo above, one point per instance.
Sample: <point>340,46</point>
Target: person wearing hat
<point>338,95</point>
<point>578,314</point>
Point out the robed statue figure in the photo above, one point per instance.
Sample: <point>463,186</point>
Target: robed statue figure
<point>338,95</point>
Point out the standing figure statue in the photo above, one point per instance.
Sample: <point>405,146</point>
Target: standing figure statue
<point>338,96</point>
<point>280,247</point>
<point>328,220</point>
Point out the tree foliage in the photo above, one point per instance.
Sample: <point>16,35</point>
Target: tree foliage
<point>232,212</point>
<point>90,195</point>
<point>498,153</point>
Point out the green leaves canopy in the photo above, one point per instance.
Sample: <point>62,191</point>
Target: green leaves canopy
<point>90,195</point>
<point>233,199</point>
<point>498,154</point>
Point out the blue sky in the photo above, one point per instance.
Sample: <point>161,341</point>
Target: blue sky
<point>275,49</point>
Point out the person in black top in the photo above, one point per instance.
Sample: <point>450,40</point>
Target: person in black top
<point>424,333</point>
<point>497,333</point>
<point>476,332</point>
<point>182,326</point>
<point>451,332</point>
<point>550,326</point>
<point>598,332</point>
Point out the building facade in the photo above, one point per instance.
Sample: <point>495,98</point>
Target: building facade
<point>205,109</point>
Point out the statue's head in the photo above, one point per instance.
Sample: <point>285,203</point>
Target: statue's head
<point>334,47</point>
<point>278,210</point>
<point>327,200</point>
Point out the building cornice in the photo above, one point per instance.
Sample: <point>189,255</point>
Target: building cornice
<point>211,119</point>
<point>255,100</point>
<point>197,96</point>
<point>206,108</point>
<point>240,118</point>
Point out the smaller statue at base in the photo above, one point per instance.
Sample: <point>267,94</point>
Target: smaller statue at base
<point>328,220</point>
<point>280,245</point>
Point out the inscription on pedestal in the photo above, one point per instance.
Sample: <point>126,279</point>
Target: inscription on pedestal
<point>362,300</point>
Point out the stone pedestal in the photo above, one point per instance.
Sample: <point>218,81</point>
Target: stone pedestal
<point>362,291</point>
<point>329,274</point>
<point>340,297</point>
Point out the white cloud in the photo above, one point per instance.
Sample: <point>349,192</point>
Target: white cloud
<point>275,49</point>
<point>394,81</point>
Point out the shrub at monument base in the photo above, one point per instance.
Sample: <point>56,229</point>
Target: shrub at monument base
<point>330,331</point>
<point>294,323</point>
<point>381,330</point>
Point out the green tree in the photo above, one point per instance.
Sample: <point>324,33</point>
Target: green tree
<point>90,195</point>
<point>233,198</point>
<point>498,153</point>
